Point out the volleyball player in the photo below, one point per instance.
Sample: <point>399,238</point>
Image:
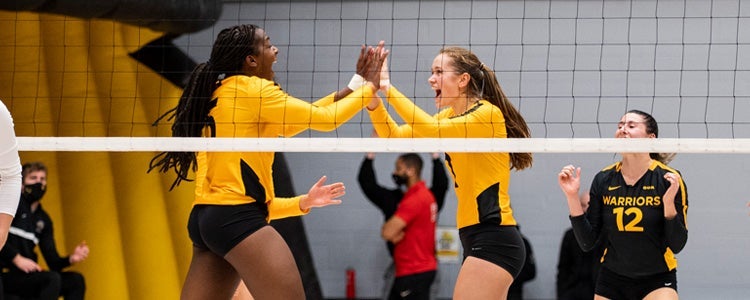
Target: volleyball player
<point>638,209</point>
<point>473,106</point>
<point>10,174</point>
<point>234,95</point>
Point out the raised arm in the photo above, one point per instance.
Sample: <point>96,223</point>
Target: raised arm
<point>386,200</point>
<point>358,80</point>
<point>287,116</point>
<point>485,121</point>
<point>587,227</point>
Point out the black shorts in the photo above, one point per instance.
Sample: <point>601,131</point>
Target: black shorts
<point>413,286</point>
<point>500,245</point>
<point>614,286</point>
<point>219,228</point>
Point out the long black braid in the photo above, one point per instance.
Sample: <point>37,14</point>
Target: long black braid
<point>229,51</point>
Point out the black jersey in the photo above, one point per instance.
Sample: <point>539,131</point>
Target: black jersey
<point>29,229</point>
<point>630,221</point>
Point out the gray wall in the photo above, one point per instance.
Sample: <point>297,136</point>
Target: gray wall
<point>573,68</point>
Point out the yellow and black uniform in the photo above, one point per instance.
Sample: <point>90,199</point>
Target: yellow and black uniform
<point>481,179</point>
<point>253,107</point>
<point>638,241</point>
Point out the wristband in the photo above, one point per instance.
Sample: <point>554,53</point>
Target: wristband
<point>385,84</point>
<point>356,82</point>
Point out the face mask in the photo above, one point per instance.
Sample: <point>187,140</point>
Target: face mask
<point>399,180</point>
<point>34,192</point>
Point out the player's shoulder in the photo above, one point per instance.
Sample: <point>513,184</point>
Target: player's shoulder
<point>661,168</point>
<point>610,169</point>
<point>605,174</point>
<point>248,83</point>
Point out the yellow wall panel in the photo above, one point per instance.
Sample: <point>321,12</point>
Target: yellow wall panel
<point>73,77</point>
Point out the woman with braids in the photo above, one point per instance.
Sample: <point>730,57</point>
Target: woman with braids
<point>638,209</point>
<point>472,105</point>
<point>234,95</point>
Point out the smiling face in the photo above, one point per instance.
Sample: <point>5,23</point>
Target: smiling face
<point>633,125</point>
<point>448,84</point>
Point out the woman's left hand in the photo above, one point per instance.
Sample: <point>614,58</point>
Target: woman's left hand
<point>321,195</point>
<point>670,210</point>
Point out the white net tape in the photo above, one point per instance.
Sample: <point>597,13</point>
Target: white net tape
<point>536,145</point>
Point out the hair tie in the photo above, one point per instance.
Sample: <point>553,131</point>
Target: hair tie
<point>220,78</point>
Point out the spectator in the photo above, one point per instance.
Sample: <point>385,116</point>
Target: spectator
<point>412,230</point>
<point>33,226</point>
<point>576,270</point>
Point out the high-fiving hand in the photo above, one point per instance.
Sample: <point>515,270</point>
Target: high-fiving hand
<point>376,59</point>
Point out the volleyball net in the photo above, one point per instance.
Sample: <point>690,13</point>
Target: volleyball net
<point>572,68</point>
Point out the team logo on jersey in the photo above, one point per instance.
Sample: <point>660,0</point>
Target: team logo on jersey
<point>648,187</point>
<point>39,226</point>
<point>612,188</point>
<point>632,201</point>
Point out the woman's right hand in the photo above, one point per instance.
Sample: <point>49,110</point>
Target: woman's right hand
<point>363,61</point>
<point>569,179</point>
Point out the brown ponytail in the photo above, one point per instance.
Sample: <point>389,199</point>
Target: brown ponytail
<point>484,85</point>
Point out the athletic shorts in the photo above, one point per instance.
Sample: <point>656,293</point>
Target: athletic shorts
<point>614,286</point>
<point>413,286</point>
<point>500,245</point>
<point>219,228</point>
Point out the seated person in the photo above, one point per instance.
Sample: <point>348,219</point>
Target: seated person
<point>32,226</point>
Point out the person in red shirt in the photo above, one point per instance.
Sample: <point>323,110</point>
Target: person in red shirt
<point>412,230</point>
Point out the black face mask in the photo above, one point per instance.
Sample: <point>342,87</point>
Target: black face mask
<point>399,180</point>
<point>34,192</point>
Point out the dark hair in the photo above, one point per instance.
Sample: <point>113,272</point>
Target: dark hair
<point>653,127</point>
<point>35,166</point>
<point>412,160</point>
<point>229,51</point>
<point>484,85</point>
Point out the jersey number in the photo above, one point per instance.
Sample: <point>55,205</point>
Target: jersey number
<point>632,226</point>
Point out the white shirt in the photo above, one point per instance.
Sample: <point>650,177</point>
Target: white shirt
<point>10,164</point>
